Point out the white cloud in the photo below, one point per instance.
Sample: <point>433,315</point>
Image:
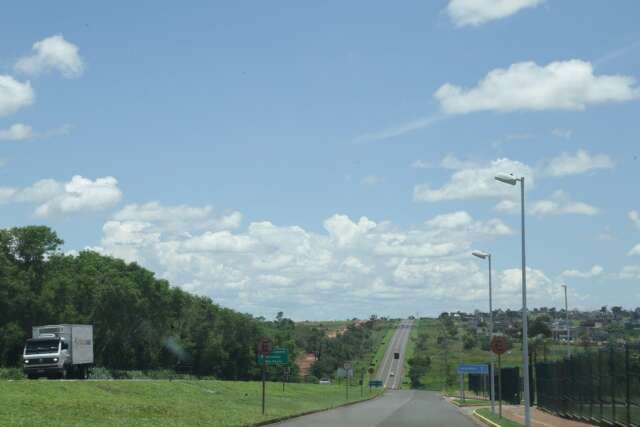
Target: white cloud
<point>16,132</point>
<point>634,216</point>
<point>561,204</point>
<point>264,267</point>
<point>22,132</point>
<point>595,271</point>
<point>53,54</point>
<point>635,250</point>
<point>630,272</point>
<point>421,164</point>
<point>476,182</point>
<point>14,95</point>
<point>477,12</point>
<point>180,217</point>
<point>562,133</point>
<point>77,195</point>
<point>371,180</point>
<point>399,130</point>
<point>574,164</point>
<point>526,86</point>
<point>451,220</point>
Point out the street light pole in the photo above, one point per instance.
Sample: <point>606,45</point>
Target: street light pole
<point>512,180</point>
<point>485,255</point>
<point>566,312</point>
<point>525,315</point>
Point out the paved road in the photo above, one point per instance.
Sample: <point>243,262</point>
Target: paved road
<point>396,408</point>
<point>391,369</point>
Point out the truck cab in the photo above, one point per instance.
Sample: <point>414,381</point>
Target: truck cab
<point>62,351</point>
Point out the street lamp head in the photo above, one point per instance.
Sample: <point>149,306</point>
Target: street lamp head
<point>480,254</point>
<point>507,178</point>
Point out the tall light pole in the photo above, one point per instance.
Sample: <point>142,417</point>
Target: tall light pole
<point>510,179</point>
<point>566,312</point>
<point>485,255</point>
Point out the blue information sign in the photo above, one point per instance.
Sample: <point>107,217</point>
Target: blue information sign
<point>473,369</point>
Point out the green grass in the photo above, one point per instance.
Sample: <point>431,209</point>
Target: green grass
<point>471,402</point>
<point>486,412</point>
<point>408,354</point>
<point>159,403</point>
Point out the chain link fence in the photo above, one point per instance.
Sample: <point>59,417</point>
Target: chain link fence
<point>599,385</point>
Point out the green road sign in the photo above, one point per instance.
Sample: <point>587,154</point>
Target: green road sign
<point>375,383</point>
<point>278,356</point>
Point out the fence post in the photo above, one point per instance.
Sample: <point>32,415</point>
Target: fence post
<point>627,375</point>
<point>612,368</point>
<point>600,385</point>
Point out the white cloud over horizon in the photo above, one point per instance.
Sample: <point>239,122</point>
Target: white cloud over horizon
<point>52,54</point>
<point>356,262</point>
<point>526,86</point>
<point>477,12</point>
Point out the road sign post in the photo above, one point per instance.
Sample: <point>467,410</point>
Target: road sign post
<point>347,368</point>
<point>499,346</point>
<point>264,348</point>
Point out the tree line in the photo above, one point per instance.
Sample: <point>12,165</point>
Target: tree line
<point>140,322</point>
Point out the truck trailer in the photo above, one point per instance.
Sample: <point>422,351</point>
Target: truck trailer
<point>59,351</point>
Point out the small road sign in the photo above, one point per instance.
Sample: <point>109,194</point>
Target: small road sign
<point>499,344</point>
<point>473,369</point>
<point>264,346</point>
<point>277,356</point>
<point>375,383</point>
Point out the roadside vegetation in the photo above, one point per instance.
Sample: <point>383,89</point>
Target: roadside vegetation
<point>146,328</point>
<point>503,422</point>
<point>159,403</point>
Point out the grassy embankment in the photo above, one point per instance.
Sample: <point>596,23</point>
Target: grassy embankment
<point>159,403</point>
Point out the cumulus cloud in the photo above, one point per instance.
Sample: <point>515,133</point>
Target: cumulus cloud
<point>561,204</point>
<point>629,272</point>
<point>75,196</point>
<point>371,180</point>
<point>16,132</point>
<point>477,181</point>
<point>351,263</point>
<point>14,95</point>
<point>526,86</point>
<point>22,132</point>
<point>634,217</point>
<point>595,271</point>
<point>635,250</point>
<point>53,54</point>
<point>477,12</point>
<point>562,133</point>
<point>580,162</point>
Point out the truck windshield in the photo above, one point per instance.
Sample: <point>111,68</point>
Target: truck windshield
<point>42,346</point>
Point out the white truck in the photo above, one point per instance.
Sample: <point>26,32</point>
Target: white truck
<point>59,351</point>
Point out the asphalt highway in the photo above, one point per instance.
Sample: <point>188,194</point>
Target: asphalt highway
<point>396,408</point>
<point>391,370</point>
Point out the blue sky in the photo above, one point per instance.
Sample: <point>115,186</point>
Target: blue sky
<point>332,160</point>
